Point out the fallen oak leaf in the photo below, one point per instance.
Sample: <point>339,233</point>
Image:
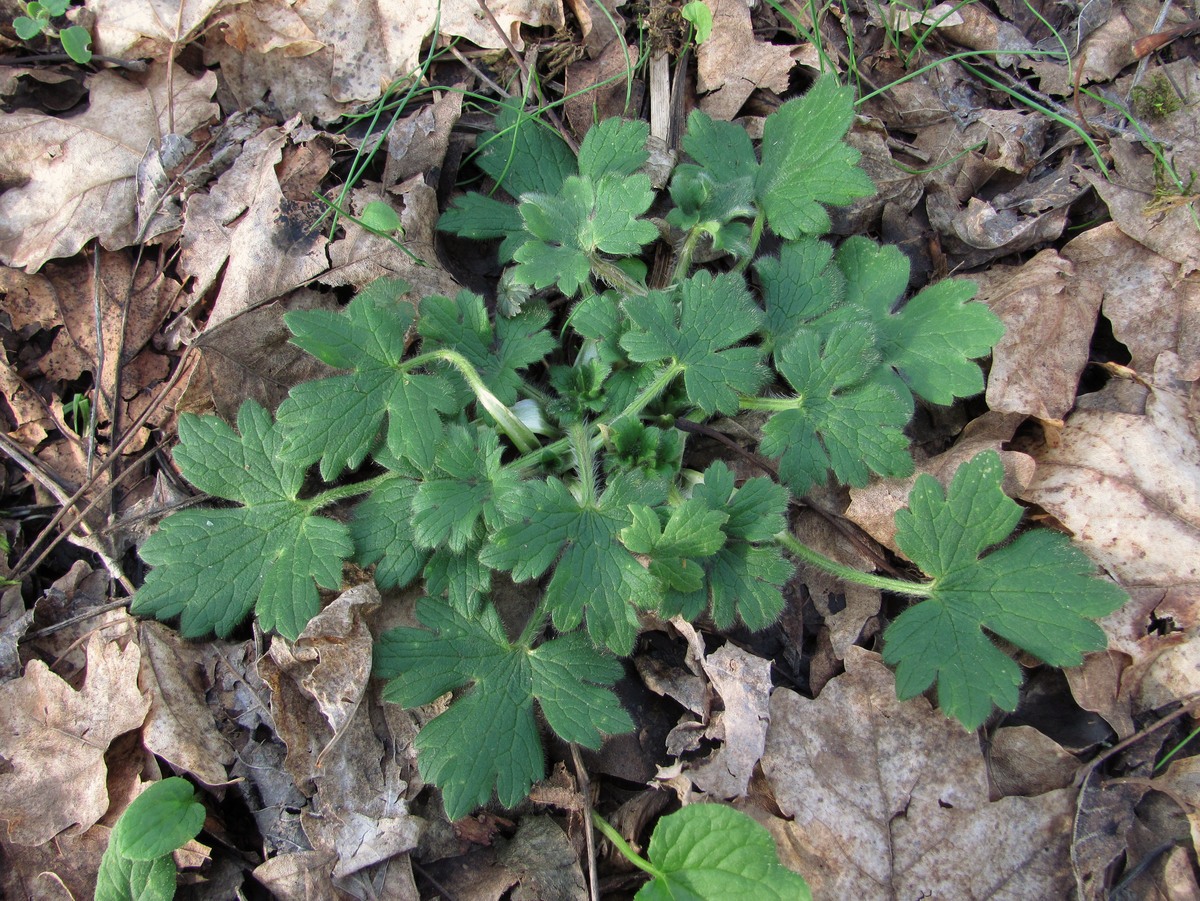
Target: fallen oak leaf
<point>76,178</point>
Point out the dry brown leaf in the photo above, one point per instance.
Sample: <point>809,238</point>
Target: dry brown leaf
<point>1152,307</point>
<point>132,308</point>
<point>1128,487</point>
<point>360,257</point>
<point>318,58</point>
<point>892,799</point>
<point>845,607</point>
<point>245,224</point>
<point>417,143</point>
<point>1182,782</point>
<point>180,727</point>
<point>55,738</point>
<point>76,177</point>
<point>358,809</point>
<point>1049,314</point>
<point>744,683</point>
<point>250,355</point>
<point>1169,230</point>
<point>731,64</point>
<point>1024,761</point>
<point>149,28</point>
<point>299,876</point>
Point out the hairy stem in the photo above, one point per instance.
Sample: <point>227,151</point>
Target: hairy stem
<point>756,230</point>
<point>517,431</point>
<point>849,574</point>
<point>341,492</point>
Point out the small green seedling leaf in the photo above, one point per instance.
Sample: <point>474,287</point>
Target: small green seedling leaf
<point>467,491</point>
<point>1039,592</point>
<point>714,314</point>
<point>701,17</point>
<point>378,216</point>
<point>337,420</point>
<point>692,532</point>
<point>77,43</point>
<point>838,420</point>
<point>709,852</point>
<point>805,162</point>
<point>488,738</point>
<point>211,566</point>
<point>137,864</point>
<point>27,28</point>
<point>583,219</point>
<point>498,354</point>
<point>164,817</point>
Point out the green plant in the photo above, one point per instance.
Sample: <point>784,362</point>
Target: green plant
<point>79,409</point>
<point>1156,100</point>
<point>75,40</point>
<point>709,852</point>
<point>137,864</point>
<point>490,444</point>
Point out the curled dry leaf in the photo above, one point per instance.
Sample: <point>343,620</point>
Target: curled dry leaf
<point>77,176</point>
<point>358,809</point>
<point>320,57</point>
<point>55,738</point>
<point>245,224</point>
<point>889,799</point>
<point>180,727</point>
<point>1049,314</point>
<point>1153,308</point>
<point>744,683</point>
<point>731,64</point>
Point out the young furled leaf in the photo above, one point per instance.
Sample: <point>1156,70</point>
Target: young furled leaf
<point>710,852</point>
<point>805,162</point>
<point>583,219</point>
<point>594,572</point>
<point>933,339</point>
<point>839,420</point>
<point>1039,592</point>
<point>697,339</point>
<point>488,738</point>
<point>212,565</point>
<point>337,420</point>
<point>744,577</point>
<point>498,354</point>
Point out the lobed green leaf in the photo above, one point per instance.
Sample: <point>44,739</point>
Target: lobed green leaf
<point>1038,592</point>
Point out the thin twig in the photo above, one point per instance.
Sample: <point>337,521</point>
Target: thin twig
<point>133,65</point>
<point>23,565</point>
<point>1189,703</point>
<point>589,835</point>
<point>477,72</point>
